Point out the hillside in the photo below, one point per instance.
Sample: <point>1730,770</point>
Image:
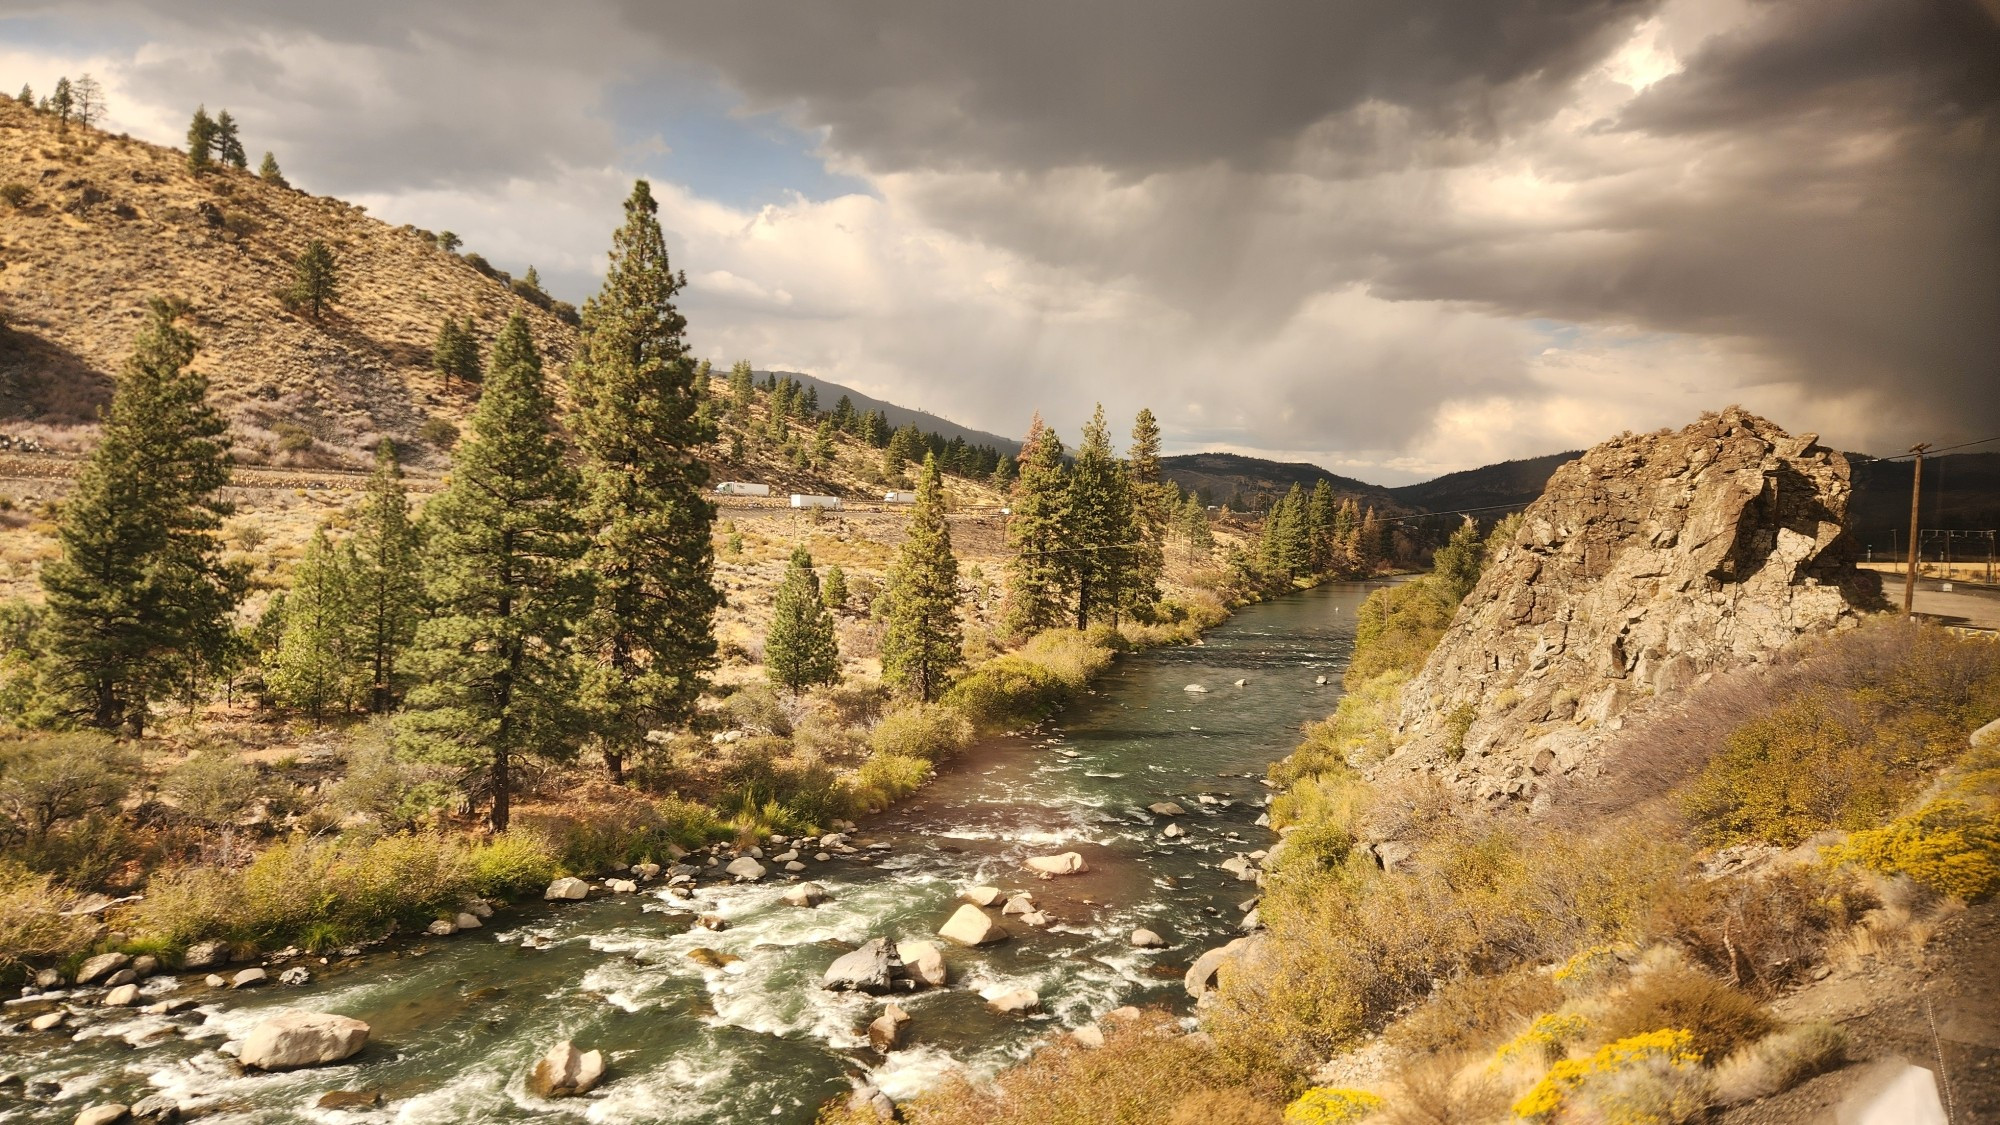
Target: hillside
<point>1961,492</point>
<point>1246,483</point>
<point>829,393</point>
<point>1493,488</point>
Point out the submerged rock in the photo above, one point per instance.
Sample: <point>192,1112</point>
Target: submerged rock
<point>350,1099</point>
<point>1015,1001</point>
<point>566,1072</point>
<point>970,925</point>
<point>157,1108</point>
<point>106,1114</point>
<point>1165,808</point>
<point>805,894</point>
<point>886,1029</point>
<point>300,1039</point>
<point>1068,863</point>
<point>1196,688</point>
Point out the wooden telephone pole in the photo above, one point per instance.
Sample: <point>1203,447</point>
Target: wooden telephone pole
<point>1916,485</point>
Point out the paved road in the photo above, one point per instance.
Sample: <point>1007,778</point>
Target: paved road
<point>1974,607</point>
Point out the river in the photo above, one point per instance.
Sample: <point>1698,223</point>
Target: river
<point>457,1022</point>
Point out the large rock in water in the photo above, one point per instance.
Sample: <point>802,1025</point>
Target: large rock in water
<point>1068,863</point>
<point>565,1072</point>
<point>971,926</point>
<point>298,1039</point>
<point>868,969</point>
<point>1648,563</point>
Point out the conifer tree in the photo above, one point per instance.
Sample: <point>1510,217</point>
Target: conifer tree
<point>1271,546</point>
<point>141,584</point>
<point>456,352</point>
<point>229,143</point>
<point>315,669</point>
<point>315,278</point>
<point>201,141</point>
<point>1037,581</point>
<point>26,97</point>
<point>648,638</point>
<point>834,589</point>
<point>1195,529</point>
<point>449,242</point>
<point>742,388</point>
<point>87,97</point>
<point>387,591</point>
<point>532,279</point>
<point>63,101</point>
<point>800,648</point>
<point>906,446</point>
<point>1152,511</point>
<point>923,642</point>
<point>1372,548</point>
<point>489,669</point>
<point>822,450</point>
<point>1099,532</point>
<point>844,416</point>
<point>1321,514</point>
<point>269,173</point>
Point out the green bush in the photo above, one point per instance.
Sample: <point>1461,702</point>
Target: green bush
<point>887,778</point>
<point>1949,846</point>
<point>33,928</point>
<point>933,732</point>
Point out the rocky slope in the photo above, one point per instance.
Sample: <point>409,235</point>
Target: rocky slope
<point>1648,564</point>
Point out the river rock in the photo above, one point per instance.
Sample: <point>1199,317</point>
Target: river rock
<point>621,886</point>
<point>970,925</point>
<point>703,955</point>
<point>1240,867</point>
<point>745,868</point>
<point>1173,832</point>
<point>204,955</point>
<point>1320,680</point>
<point>923,963</point>
<point>1251,921</point>
<point>124,996</point>
<point>144,965</point>
<point>300,1039</point>
<point>566,1072</point>
<point>1196,688</point>
<point>467,920</point>
<point>441,928</point>
<point>821,857</point>
<point>122,976</point>
<point>215,980</point>
<point>1035,918</point>
<point>794,867</point>
<point>1068,863</point>
<point>1090,1035</point>
<point>868,1099</point>
<point>1147,939</point>
<point>786,856</point>
<point>569,888</point>
<point>1015,1001</point>
<point>158,1108</point>
<point>1019,904</point>
<point>981,896</point>
<point>249,978</point>
<point>867,969</point>
<point>107,1114</point>
<point>1201,975</point>
<point>646,870</point>
<point>1165,808</point>
<point>101,966</point>
<point>48,1021</point>
<point>49,978</point>
<point>712,922</point>
<point>887,1028</point>
<point>805,894</point>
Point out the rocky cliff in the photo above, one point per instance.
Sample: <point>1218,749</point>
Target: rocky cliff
<point>1649,563</point>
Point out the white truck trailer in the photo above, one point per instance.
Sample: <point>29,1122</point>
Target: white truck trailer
<point>742,488</point>
<point>800,500</point>
<point>899,497</point>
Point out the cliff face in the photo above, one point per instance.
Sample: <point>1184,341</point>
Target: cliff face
<point>1649,563</point>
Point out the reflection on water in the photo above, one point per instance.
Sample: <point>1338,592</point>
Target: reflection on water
<point>457,1022</point>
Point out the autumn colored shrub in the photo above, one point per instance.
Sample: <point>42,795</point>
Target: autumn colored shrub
<point>1474,1011</point>
<point>1327,1105</point>
<point>1545,1040</point>
<point>1716,1018</point>
<point>931,731</point>
<point>1949,846</point>
<point>33,927</point>
<point>1648,1079</point>
<point>1762,931</point>
<point>1779,1061</point>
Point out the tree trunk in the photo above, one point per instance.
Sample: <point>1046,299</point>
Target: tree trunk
<point>614,764</point>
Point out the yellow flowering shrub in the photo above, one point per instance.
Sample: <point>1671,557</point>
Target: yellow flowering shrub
<point>1587,966</point>
<point>1328,1105</point>
<point>1949,846</point>
<point>1654,1050</point>
<point>1544,1039</point>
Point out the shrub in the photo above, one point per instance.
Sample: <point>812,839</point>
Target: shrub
<point>16,193</point>
<point>1545,1040</point>
<point>1357,734</point>
<point>1716,1018</point>
<point>1325,1105</point>
<point>757,707</point>
<point>1396,628</point>
<point>213,786</point>
<point>1474,1011</point>
<point>48,780</point>
<point>1761,931</point>
<point>933,732</point>
<point>1009,691</point>
<point>1949,846</point>
<point>438,433</point>
<point>887,778</point>
<point>1226,1106</point>
<point>1779,1061</point>
<point>1664,1061</point>
<point>511,866</point>
<point>33,928</point>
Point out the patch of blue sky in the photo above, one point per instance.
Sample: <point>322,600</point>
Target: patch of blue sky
<point>682,130</point>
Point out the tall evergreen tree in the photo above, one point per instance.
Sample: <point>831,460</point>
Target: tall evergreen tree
<point>26,97</point>
<point>316,667</point>
<point>834,589</point>
<point>906,446</point>
<point>1195,530</point>
<point>269,173</point>
<point>800,648</point>
<point>742,389</point>
<point>229,142</point>
<point>648,638</point>
<point>1321,514</point>
<point>1037,581</point>
<point>490,671</point>
<point>1371,543</point>
<point>1099,531</point>
<point>315,278</point>
<point>456,352</point>
<point>141,584</point>
<point>387,590</point>
<point>63,101</point>
<point>1152,512</point>
<point>201,141</point>
<point>844,416</point>
<point>923,642</point>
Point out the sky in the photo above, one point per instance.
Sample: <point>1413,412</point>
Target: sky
<point>1391,239</point>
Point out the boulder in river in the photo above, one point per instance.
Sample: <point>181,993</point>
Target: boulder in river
<point>249,978</point>
<point>1036,919</point>
<point>567,889</point>
<point>703,955</point>
<point>1068,863</point>
<point>867,969</point>
<point>204,955</point>
<point>1173,832</point>
<point>300,1039</point>
<point>467,920</point>
<point>350,1099</point>
<point>923,963</point>
<point>1019,904</point>
<point>805,894</point>
<point>1165,808</point>
<point>106,1114</point>
<point>101,966</point>
<point>1201,975</point>
<point>621,886</point>
<point>745,867</point>
<point>887,1028</point>
<point>566,1072</point>
<point>1089,1035</point>
<point>1014,1001</point>
<point>48,1021</point>
<point>981,896</point>
<point>970,925</point>
<point>441,928</point>
<point>124,996</point>
<point>295,976</point>
<point>1147,939</point>
<point>1196,688</point>
<point>156,1108</point>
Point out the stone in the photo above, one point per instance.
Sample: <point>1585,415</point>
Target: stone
<point>1165,808</point>
<point>805,894</point>
<point>124,996</point>
<point>1035,919</point>
<point>745,868</point>
<point>794,867</point>
<point>479,908</point>
<point>646,870</point>
<point>713,922</point>
<point>869,1100</point>
<point>702,955</point>
<point>1015,1001</point>
<point>821,857</point>
<point>1147,939</point>
<point>122,976</point>
<point>48,978</point>
<point>884,1030</point>
<point>295,976</point>
<point>1068,863</point>
<point>567,889</point>
<point>786,857</point>
<point>1251,921</point>
<point>302,1039</point>
<point>204,955</point>
<point>1239,866</point>
<point>1196,688</point>
<point>867,969</point>
<point>1201,975</point>
<point>1173,832</point>
<point>923,963</point>
<point>1320,680</point>
<point>48,1021</point>
<point>156,1108</point>
<point>350,1099</point>
<point>1240,683</point>
<point>1019,904</point>
<point>144,965</point>
<point>103,965</point>
<point>249,978</point>
<point>106,1114</point>
<point>467,920</point>
<point>214,980</point>
<point>970,925</point>
<point>981,896</point>
<point>441,928</point>
<point>566,1072</point>
<point>1090,1035</point>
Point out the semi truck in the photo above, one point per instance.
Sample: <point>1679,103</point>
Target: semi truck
<point>800,500</point>
<point>742,488</point>
<point>899,497</point>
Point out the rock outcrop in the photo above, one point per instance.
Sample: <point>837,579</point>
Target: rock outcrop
<point>1648,564</point>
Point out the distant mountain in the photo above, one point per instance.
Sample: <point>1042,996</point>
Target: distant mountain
<point>1961,492</point>
<point>1246,483</point>
<point>830,392</point>
<point>1489,490</point>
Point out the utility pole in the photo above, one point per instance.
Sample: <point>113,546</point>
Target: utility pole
<point>1916,486</point>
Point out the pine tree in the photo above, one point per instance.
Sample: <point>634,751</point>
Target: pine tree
<point>875,427</point>
<point>449,242</point>
<point>201,141</point>
<point>26,97</point>
<point>1371,543</point>
<point>532,279</point>
<point>1457,564</point>
<point>649,638</point>
<point>1099,532</point>
<point>906,446</point>
<point>140,588</point>
<point>844,416</point>
<point>834,589</point>
<point>489,669</point>
<point>800,649</point>
<point>228,142</point>
<point>269,173</point>
<point>316,669</point>
<point>1152,511</point>
<point>315,278</point>
<point>1271,547</point>
<point>456,352</point>
<point>1321,514</point>
<point>923,642</point>
<point>742,388</point>
<point>1037,583</point>
<point>1195,530</point>
<point>387,591</point>
<point>63,101</point>
<point>822,450</point>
